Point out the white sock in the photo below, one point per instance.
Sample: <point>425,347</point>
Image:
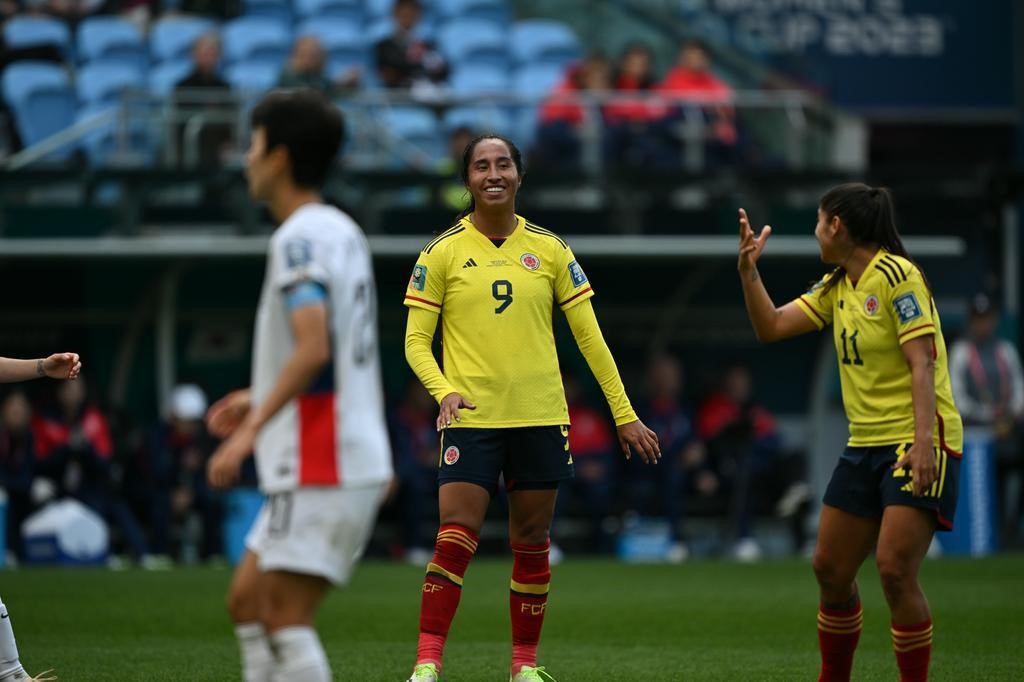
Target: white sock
<point>10,666</point>
<point>300,656</point>
<point>257,660</point>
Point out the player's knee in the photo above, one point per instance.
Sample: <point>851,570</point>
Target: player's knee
<point>896,575</point>
<point>531,533</point>
<point>242,606</point>
<point>829,572</point>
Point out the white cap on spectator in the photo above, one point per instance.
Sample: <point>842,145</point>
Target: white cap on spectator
<point>188,402</point>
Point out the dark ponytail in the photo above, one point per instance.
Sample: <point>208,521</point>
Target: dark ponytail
<point>870,218</point>
<point>467,157</point>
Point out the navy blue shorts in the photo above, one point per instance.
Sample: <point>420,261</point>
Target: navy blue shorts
<point>529,457</point>
<point>864,483</point>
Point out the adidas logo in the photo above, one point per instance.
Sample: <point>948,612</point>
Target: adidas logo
<point>470,263</point>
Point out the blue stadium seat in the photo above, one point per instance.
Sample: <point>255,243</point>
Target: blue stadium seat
<point>351,10</point>
<point>103,82</point>
<point>252,77</point>
<point>341,39</point>
<point>279,10</point>
<point>471,80</point>
<point>474,41</point>
<point>110,145</point>
<point>544,41</point>
<point>416,134</point>
<point>32,31</point>
<point>163,77</point>
<point>172,37</point>
<point>39,95</point>
<point>379,9</point>
<point>536,80</point>
<point>256,39</point>
<point>111,38</point>
<point>480,119</point>
<point>495,11</point>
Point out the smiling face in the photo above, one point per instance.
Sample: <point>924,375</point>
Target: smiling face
<point>492,177</point>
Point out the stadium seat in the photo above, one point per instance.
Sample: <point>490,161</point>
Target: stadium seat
<point>536,80</point>
<point>495,11</point>
<point>480,119</point>
<point>103,82</point>
<point>172,37</point>
<point>474,41</point>
<point>544,41</point>
<point>252,77</point>
<point>110,38</point>
<point>256,39</point>
<point>109,144</point>
<point>351,10</point>
<point>39,95</point>
<point>414,135</point>
<point>278,10</point>
<point>163,77</point>
<point>33,31</point>
<point>341,39</point>
<point>471,80</point>
<point>379,9</point>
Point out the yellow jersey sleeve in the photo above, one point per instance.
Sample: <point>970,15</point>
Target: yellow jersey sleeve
<point>817,303</point>
<point>587,332</point>
<point>912,309</point>
<point>428,281</point>
<point>419,335</point>
<point>571,284</point>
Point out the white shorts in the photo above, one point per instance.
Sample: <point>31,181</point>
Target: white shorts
<point>315,531</point>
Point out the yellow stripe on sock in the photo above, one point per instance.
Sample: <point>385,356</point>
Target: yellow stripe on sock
<point>840,631</point>
<point>911,647</point>
<point>901,641</point>
<point>524,588</point>
<point>434,568</point>
<point>911,633</point>
<point>452,534</point>
<point>846,620</point>
<point>457,540</point>
<point>530,551</point>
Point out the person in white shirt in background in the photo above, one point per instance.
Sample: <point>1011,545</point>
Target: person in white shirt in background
<point>988,387</point>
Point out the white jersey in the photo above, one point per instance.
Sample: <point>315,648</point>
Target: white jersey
<point>335,433</point>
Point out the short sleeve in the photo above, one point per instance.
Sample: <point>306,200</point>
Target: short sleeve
<point>912,309</point>
<point>427,283</point>
<point>817,303</point>
<point>571,284</point>
<point>296,259</point>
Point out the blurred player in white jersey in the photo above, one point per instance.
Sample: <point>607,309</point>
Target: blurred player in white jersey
<point>314,413</point>
<point>57,366</point>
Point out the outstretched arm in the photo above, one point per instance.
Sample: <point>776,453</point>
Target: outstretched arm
<point>57,366</point>
<point>633,435</point>
<point>770,323</point>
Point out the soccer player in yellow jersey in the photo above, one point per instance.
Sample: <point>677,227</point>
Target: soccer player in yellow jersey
<point>896,482</point>
<point>494,278</point>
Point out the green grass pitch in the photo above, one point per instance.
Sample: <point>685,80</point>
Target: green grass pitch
<point>606,621</point>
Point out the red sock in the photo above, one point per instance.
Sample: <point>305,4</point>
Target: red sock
<point>442,588</point>
<point>528,599</point>
<point>913,645</point>
<point>838,634</point>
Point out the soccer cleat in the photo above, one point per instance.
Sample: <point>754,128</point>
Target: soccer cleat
<point>531,674</point>
<point>424,672</point>
<point>43,677</point>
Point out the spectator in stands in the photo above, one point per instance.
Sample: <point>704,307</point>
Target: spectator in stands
<point>305,69</point>
<point>199,94</point>
<point>76,453</point>
<point>415,443</point>
<point>683,464</point>
<point>988,387</point>
<point>692,79</point>
<point>17,460</point>
<point>566,113</point>
<point>407,62</point>
<point>169,481</point>
<point>635,133</point>
<point>594,448</point>
<point>743,445</point>
<point>453,195</point>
